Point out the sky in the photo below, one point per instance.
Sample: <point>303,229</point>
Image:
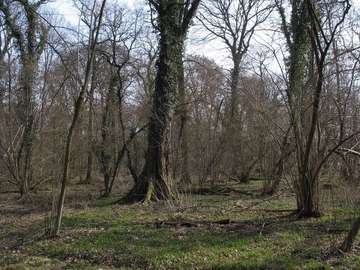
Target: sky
<point>66,8</point>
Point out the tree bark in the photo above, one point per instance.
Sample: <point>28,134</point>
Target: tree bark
<point>90,158</point>
<point>30,38</point>
<point>173,20</point>
<point>182,157</point>
<point>306,29</point>
<point>350,238</point>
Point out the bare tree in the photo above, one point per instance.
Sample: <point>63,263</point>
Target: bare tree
<point>205,83</point>
<point>29,36</point>
<point>77,110</point>
<point>304,90</point>
<point>234,23</point>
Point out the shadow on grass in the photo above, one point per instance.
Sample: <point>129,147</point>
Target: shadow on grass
<point>128,243</point>
<point>165,236</point>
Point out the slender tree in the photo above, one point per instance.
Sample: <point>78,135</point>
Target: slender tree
<point>77,110</point>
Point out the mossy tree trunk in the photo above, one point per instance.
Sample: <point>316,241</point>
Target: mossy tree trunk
<point>308,45</point>
<point>173,20</point>
<point>29,36</point>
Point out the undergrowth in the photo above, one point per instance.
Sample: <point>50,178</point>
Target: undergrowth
<point>236,231</point>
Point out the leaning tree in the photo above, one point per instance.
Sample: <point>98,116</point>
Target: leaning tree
<point>76,115</point>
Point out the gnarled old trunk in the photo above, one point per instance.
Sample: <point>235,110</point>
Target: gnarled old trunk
<point>153,182</point>
<point>172,23</point>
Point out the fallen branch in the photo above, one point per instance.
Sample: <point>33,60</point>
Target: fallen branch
<point>256,203</point>
<point>160,223</point>
<point>274,210</point>
<point>346,150</point>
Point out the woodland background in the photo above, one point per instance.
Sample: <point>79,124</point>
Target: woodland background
<point>263,91</point>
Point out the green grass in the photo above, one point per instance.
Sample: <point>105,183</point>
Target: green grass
<point>181,235</point>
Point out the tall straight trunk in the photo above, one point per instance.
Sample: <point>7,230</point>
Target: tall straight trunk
<point>234,91</point>
<point>234,125</point>
<point>25,156</point>
<point>90,158</point>
<point>107,150</point>
<point>25,112</point>
<point>182,143</point>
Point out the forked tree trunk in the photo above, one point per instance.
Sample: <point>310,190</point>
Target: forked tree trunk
<point>306,29</point>
<point>307,197</point>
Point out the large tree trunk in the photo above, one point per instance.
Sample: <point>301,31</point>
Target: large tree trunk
<point>153,182</point>
<point>172,23</point>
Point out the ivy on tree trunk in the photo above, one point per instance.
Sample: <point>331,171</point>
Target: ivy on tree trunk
<point>173,20</point>
<point>308,44</point>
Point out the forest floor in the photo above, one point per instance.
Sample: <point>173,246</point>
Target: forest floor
<point>235,228</point>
